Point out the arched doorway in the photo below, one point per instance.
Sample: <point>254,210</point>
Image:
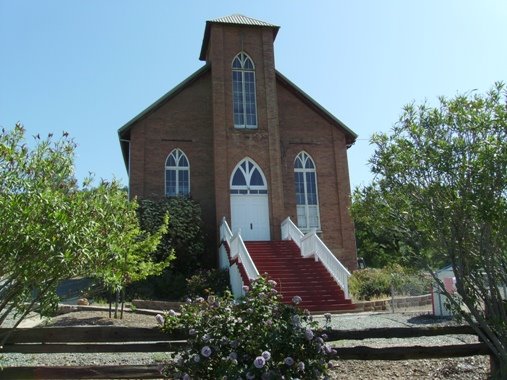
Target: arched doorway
<point>249,201</point>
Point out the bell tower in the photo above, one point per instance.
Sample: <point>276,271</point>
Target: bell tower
<point>240,53</point>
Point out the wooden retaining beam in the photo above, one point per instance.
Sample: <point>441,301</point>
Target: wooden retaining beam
<point>96,339</point>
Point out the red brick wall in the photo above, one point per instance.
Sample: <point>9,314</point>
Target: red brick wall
<point>184,122</point>
<point>304,129</point>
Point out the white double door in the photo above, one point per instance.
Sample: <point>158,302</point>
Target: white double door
<point>250,213</point>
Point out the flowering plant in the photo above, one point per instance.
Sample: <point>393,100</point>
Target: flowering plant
<point>256,337</point>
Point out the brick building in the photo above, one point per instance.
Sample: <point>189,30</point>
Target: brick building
<point>246,143</point>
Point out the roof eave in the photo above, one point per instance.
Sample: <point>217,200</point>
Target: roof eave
<point>165,97</point>
<point>205,39</point>
<point>124,131</point>
<point>350,134</point>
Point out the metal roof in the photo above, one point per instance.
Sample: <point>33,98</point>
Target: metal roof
<point>241,20</point>
<point>235,19</point>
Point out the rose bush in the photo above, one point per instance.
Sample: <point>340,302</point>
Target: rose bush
<point>256,337</point>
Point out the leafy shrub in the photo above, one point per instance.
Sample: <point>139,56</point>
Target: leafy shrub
<point>185,233</point>
<point>256,337</point>
<point>211,281</point>
<point>371,283</point>
<point>168,286</point>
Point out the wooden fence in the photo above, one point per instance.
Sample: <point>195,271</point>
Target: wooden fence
<point>98,339</point>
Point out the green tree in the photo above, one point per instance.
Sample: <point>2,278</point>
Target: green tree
<point>442,175</point>
<point>185,238</point>
<point>379,240</point>
<point>129,256</point>
<point>52,229</point>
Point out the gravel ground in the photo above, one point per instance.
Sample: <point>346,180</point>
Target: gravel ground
<point>460,368</point>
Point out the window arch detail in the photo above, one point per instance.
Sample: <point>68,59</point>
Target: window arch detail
<point>307,202</point>
<point>177,174</point>
<point>247,178</point>
<point>243,92</point>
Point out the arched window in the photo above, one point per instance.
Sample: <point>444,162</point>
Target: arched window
<point>305,180</point>
<point>177,174</point>
<point>243,92</point>
<point>247,178</point>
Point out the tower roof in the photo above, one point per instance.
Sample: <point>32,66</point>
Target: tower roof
<point>235,19</point>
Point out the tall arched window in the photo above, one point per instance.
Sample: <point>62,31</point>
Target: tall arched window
<point>177,174</point>
<point>243,92</point>
<point>305,180</point>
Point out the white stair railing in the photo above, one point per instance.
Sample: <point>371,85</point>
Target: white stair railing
<point>291,232</point>
<point>238,250</point>
<point>311,245</point>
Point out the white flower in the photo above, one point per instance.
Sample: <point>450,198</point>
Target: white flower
<point>301,366</point>
<point>245,288</point>
<point>160,319</point>
<point>259,362</point>
<point>308,334</point>
<point>295,320</point>
<point>266,355</point>
<point>172,313</point>
<point>272,283</point>
<point>296,300</point>
<point>197,358</point>
<point>186,376</point>
<point>206,337</point>
<point>211,299</point>
<point>288,361</point>
<point>233,356</point>
<point>192,332</point>
<point>206,351</point>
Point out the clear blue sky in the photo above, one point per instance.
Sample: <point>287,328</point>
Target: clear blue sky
<point>89,66</point>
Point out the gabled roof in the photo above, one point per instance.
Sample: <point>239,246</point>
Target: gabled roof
<point>235,19</point>
<point>351,136</point>
<point>124,132</point>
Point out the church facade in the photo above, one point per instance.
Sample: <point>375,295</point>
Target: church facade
<point>246,143</point>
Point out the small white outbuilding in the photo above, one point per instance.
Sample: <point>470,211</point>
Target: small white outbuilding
<point>439,299</point>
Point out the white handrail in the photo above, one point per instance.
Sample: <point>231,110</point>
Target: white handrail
<point>311,245</point>
<point>291,232</point>
<point>238,250</point>
<point>225,232</point>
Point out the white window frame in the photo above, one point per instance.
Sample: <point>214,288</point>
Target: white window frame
<point>243,70</point>
<point>303,210</point>
<point>177,154</point>
<point>248,188</point>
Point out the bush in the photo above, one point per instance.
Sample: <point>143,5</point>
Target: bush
<point>211,281</point>
<point>185,233</point>
<point>371,283</point>
<point>255,338</point>
<point>168,286</point>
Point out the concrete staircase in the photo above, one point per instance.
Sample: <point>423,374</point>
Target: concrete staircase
<point>295,275</point>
